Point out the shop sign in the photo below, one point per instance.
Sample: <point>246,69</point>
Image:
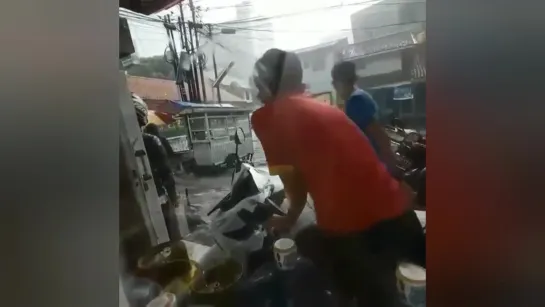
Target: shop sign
<point>387,43</point>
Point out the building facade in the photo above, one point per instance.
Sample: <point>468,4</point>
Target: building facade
<point>388,17</point>
<point>244,47</point>
<point>392,69</point>
<point>157,93</point>
<point>390,57</point>
<point>317,63</point>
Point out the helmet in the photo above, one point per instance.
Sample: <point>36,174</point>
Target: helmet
<point>141,109</point>
<point>277,70</point>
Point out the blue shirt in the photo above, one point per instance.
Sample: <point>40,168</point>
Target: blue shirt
<point>362,109</point>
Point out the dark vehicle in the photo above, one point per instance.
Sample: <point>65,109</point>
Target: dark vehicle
<point>411,157</point>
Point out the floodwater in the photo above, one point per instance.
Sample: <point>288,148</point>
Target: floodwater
<point>205,191</point>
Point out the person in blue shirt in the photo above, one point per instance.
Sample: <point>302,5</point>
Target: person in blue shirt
<point>362,109</point>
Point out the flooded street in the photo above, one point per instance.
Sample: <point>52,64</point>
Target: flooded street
<point>206,191</point>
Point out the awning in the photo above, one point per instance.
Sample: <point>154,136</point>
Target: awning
<point>148,7</point>
<point>185,104</point>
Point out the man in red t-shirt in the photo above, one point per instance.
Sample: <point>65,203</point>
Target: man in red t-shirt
<point>363,214</point>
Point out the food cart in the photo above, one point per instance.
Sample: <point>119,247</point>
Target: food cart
<point>211,130</point>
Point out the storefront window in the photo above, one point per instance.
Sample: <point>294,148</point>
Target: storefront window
<point>230,122</point>
<point>197,123</point>
<point>175,129</point>
<point>199,135</point>
<point>218,133</point>
<point>231,131</point>
<point>215,123</point>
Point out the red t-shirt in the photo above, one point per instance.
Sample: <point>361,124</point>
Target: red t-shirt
<point>351,188</point>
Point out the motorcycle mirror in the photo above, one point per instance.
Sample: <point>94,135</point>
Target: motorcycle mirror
<point>239,136</point>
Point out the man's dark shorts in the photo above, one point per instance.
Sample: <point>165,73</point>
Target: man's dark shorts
<point>363,265</point>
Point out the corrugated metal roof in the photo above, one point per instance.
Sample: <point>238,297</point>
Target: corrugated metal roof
<point>186,104</point>
<point>147,7</point>
<point>388,43</point>
<point>152,88</point>
<point>320,46</point>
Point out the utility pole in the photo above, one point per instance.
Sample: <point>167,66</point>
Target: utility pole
<point>214,63</point>
<point>185,45</point>
<point>190,52</point>
<point>175,60</point>
<point>195,26</point>
<point>203,82</point>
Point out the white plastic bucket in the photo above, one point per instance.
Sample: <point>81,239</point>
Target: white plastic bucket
<point>285,253</point>
<point>411,283</point>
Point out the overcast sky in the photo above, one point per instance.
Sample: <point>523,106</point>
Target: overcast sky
<point>311,22</point>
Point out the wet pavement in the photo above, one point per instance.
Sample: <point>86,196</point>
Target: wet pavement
<point>206,191</point>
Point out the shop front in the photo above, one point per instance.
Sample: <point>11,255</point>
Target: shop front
<point>392,69</point>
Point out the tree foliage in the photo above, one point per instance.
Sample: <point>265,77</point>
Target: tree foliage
<point>156,66</point>
<point>153,67</point>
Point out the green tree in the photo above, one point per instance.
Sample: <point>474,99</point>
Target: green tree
<point>153,67</point>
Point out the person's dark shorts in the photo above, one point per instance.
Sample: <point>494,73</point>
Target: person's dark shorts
<point>363,265</point>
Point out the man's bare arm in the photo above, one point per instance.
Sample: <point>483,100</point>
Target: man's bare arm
<point>296,191</point>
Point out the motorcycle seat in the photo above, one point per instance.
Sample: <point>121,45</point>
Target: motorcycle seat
<point>243,187</point>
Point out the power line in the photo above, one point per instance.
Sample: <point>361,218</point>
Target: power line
<point>261,39</point>
<point>373,2</point>
<point>232,50</point>
<point>221,7</point>
<point>325,30</point>
<point>151,22</point>
<point>135,16</point>
<point>264,39</point>
<point>160,30</point>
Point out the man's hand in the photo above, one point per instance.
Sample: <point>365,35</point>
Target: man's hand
<point>280,223</point>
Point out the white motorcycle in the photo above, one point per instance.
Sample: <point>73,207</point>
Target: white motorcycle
<point>237,227</point>
<point>237,223</point>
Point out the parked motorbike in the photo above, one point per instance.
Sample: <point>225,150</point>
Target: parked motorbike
<point>411,158</point>
<point>254,198</point>
<point>237,227</point>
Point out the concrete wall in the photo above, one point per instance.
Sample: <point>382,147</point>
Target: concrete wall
<point>318,76</point>
<point>317,65</point>
<point>388,17</point>
<point>380,64</point>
